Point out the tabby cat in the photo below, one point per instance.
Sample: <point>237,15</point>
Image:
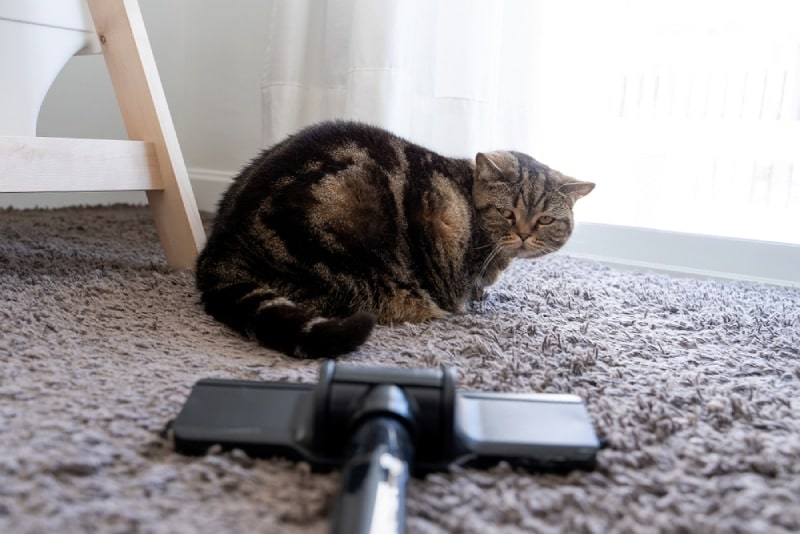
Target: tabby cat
<point>343,224</point>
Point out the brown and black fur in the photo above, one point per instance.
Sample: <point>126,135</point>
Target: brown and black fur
<point>344,224</point>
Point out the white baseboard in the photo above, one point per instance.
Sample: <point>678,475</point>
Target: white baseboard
<point>687,254</point>
<point>638,248</point>
<point>22,201</point>
<point>209,185</point>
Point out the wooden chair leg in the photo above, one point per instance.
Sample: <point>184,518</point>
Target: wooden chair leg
<point>141,99</point>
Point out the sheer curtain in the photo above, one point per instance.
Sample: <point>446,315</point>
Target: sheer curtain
<point>454,75</point>
<point>686,113</point>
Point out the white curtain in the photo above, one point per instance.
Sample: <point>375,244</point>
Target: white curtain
<point>453,75</point>
<point>685,112</point>
<point>672,107</point>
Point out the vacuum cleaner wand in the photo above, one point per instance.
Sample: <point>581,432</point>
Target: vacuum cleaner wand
<point>380,425</point>
<point>375,474</point>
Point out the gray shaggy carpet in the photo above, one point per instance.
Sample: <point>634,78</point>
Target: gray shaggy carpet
<point>694,383</point>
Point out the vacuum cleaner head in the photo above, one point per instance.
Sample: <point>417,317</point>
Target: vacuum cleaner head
<point>446,426</point>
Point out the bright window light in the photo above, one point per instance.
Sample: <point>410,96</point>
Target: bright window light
<point>686,113</point>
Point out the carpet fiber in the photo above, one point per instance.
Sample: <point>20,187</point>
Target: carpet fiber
<point>694,383</point>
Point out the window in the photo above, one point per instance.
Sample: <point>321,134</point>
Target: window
<point>686,113</point>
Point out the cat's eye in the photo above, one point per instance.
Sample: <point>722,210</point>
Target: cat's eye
<point>508,214</point>
<point>546,219</point>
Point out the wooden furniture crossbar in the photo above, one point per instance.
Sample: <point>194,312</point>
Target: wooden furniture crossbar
<point>149,160</point>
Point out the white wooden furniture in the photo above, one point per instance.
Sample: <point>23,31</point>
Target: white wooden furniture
<point>150,160</point>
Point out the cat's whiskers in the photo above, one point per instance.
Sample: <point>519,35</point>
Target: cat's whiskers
<point>492,255</point>
<point>484,246</point>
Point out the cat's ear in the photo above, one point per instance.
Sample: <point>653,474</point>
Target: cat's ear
<point>576,189</point>
<point>487,166</point>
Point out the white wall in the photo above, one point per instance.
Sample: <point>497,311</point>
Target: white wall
<point>225,43</point>
<point>210,58</point>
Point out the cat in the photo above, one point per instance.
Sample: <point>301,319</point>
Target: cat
<point>344,224</point>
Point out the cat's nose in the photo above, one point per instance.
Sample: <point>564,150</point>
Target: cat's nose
<point>523,235</point>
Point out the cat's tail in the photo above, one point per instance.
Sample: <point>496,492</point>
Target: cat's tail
<point>278,323</point>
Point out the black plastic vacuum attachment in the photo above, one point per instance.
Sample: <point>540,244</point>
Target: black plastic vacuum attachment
<point>380,425</point>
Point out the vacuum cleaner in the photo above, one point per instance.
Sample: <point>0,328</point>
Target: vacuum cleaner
<point>382,425</point>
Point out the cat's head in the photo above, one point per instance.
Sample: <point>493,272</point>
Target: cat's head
<point>525,206</point>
